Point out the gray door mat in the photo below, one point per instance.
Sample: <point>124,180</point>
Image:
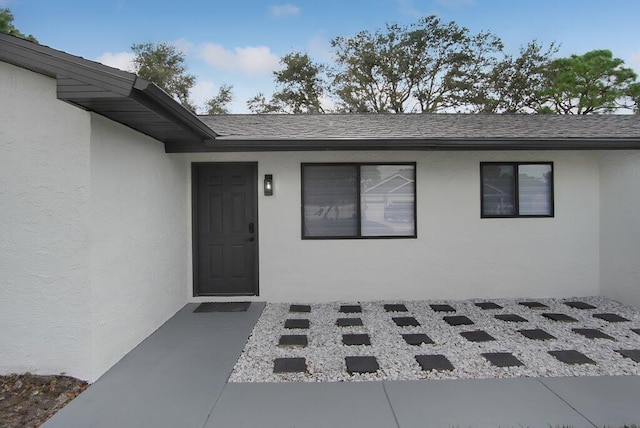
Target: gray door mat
<point>223,307</point>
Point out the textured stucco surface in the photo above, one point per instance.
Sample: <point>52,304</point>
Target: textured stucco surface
<point>456,255</point>
<point>93,219</point>
<point>620,226</point>
<point>44,220</point>
<point>139,235</point>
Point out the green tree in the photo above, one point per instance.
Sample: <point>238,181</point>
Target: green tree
<point>428,66</point>
<point>163,64</point>
<point>219,104</point>
<point>595,82</point>
<point>301,85</point>
<point>7,27</point>
<point>633,92</point>
<point>260,105</point>
<point>515,83</point>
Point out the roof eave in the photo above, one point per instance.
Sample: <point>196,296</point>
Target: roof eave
<point>88,84</point>
<point>223,144</point>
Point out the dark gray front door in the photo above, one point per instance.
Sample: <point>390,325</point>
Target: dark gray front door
<point>225,229</point>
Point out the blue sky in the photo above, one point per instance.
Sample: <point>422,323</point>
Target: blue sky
<point>240,42</point>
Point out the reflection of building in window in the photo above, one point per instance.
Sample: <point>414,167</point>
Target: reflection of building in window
<point>386,200</point>
<point>517,189</point>
<point>392,199</point>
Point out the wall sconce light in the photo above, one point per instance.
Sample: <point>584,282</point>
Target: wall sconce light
<point>268,184</point>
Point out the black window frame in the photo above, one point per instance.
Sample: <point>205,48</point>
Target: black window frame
<point>359,235</point>
<point>516,188</point>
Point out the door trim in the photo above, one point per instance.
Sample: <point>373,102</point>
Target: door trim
<point>194,228</point>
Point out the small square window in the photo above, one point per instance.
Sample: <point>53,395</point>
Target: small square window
<point>358,201</point>
<point>514,189</point>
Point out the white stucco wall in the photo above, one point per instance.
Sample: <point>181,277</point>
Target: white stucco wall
<point>93,227</point>
<point>457,254</point>
<point>45,321</point>
<point>620,226</point>
<point>139,208</point>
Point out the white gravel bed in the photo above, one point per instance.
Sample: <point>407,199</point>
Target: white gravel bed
<point>325,353</point>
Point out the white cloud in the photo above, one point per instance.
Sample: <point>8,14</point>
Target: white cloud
<point>121,60</point>
<point>286,9</point>
<point>183,45</point>
<point>320,48</point>
<point>249,60</point>
<point>203,91</point>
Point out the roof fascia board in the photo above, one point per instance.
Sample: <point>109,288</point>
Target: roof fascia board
<point>153,97</point>
<point>222,145</point>
<point>54,63</point>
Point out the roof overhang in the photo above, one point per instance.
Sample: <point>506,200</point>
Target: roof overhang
<point>110,92</point>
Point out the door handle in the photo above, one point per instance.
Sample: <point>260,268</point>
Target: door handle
<point>251,228</point>
<point>249,239</point>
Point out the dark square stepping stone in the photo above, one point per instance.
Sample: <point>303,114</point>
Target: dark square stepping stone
<point>300,308</point>
<point>350,309</point>
<point>634,354</point>
<point>293,340</point>
<point>223,307</point>
<point>592,333</point>
<point>457,320</point>
<point>510,318</point>
<point>296,323</point>
<point>434,362</point>
<point>417,339</point>
<point>406,321</point>
<point>289,365</point>
<point>534,305</point>
<point>361,364</point>
<point>502,359</point>
<point>572,357</point>
<point>442,308</point>
<point>610,317</point>
<point>349,322</point>
<point>395,308</point>
<point>477,336</point>
<point>636,330</point>
<point>488,305</point>
<point>579,305</point>
<point>559,317</point>
<point>356,339</point>
<point>536,334</point>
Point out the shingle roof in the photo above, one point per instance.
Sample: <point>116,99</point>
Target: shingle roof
<point>424,127</point>
<point>420,132</point>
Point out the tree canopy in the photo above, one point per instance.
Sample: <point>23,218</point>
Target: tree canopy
<point>164,65</point>
<point>515,84</point>
<point>7,27</point>
<point>301,85</point>
<point>432,66</point>
<point>426,67</point>
<point>219,104</point>
<point>595,82</point>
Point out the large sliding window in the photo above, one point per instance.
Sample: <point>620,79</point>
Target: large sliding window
<point>358,201</point>
<point>516,189</point>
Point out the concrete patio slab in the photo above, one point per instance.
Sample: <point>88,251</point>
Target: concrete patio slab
<point>308,405</point>
<point>177,377</point>
<point>610,401</point>
<point>503,403</point>
<point>171,379</point>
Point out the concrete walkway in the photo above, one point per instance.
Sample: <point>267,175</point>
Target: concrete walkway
<point>177,378</point>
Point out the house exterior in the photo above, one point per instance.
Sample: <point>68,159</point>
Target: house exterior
<point>117,207</point>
